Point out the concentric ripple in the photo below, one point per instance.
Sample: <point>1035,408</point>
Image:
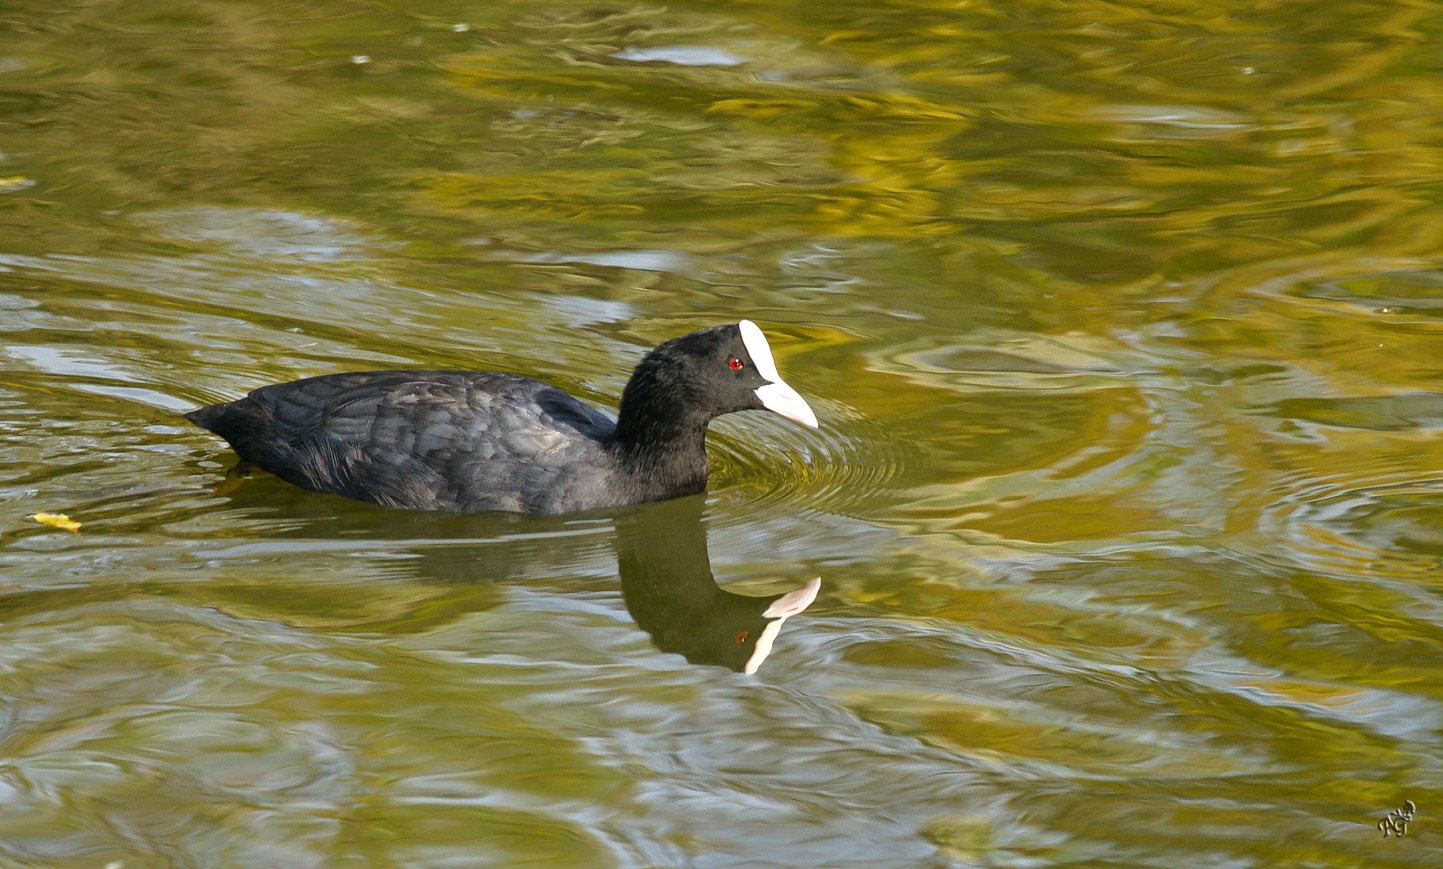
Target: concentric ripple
<point>777,466</point>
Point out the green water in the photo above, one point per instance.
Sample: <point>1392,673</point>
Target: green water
<point>1124,323</point>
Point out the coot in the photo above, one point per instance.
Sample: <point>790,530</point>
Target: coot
<point>475,441</point>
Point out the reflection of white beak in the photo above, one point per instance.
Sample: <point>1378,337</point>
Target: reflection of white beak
<point>780,398</point>
<point>781,609</point>
<point>776,396</point>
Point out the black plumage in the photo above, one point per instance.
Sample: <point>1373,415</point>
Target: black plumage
<point>477,441</point>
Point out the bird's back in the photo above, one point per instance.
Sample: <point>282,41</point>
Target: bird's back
<point>442,440</point>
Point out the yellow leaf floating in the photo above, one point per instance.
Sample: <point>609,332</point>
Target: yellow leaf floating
<point>57,520</point>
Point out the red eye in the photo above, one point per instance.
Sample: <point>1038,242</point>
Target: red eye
<point>735,363</point>
<point>742,637</point>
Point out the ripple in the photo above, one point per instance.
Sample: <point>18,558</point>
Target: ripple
<point>270,234</point>
<point>842,469</point>
<point>1397,412</point>
<point>640,260</point>
<point>1394,287</point>
<point>1197,121</point>
<point>1380,528</point>
<point>680,55</point>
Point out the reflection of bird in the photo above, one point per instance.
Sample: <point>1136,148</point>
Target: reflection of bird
<point>667,582</point>
<point>473,441</point>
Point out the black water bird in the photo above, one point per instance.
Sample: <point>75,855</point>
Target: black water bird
<point>478,441</point>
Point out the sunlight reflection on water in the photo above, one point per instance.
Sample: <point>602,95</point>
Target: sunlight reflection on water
<point>1121,325</point>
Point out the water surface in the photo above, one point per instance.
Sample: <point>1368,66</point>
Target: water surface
<point>1122,323</point>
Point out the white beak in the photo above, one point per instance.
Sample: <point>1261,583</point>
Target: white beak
<point>776,396</point>
<point>780,398</point>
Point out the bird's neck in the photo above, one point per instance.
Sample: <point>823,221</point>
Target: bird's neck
<point>659,444</point>
<point>666,461</point>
